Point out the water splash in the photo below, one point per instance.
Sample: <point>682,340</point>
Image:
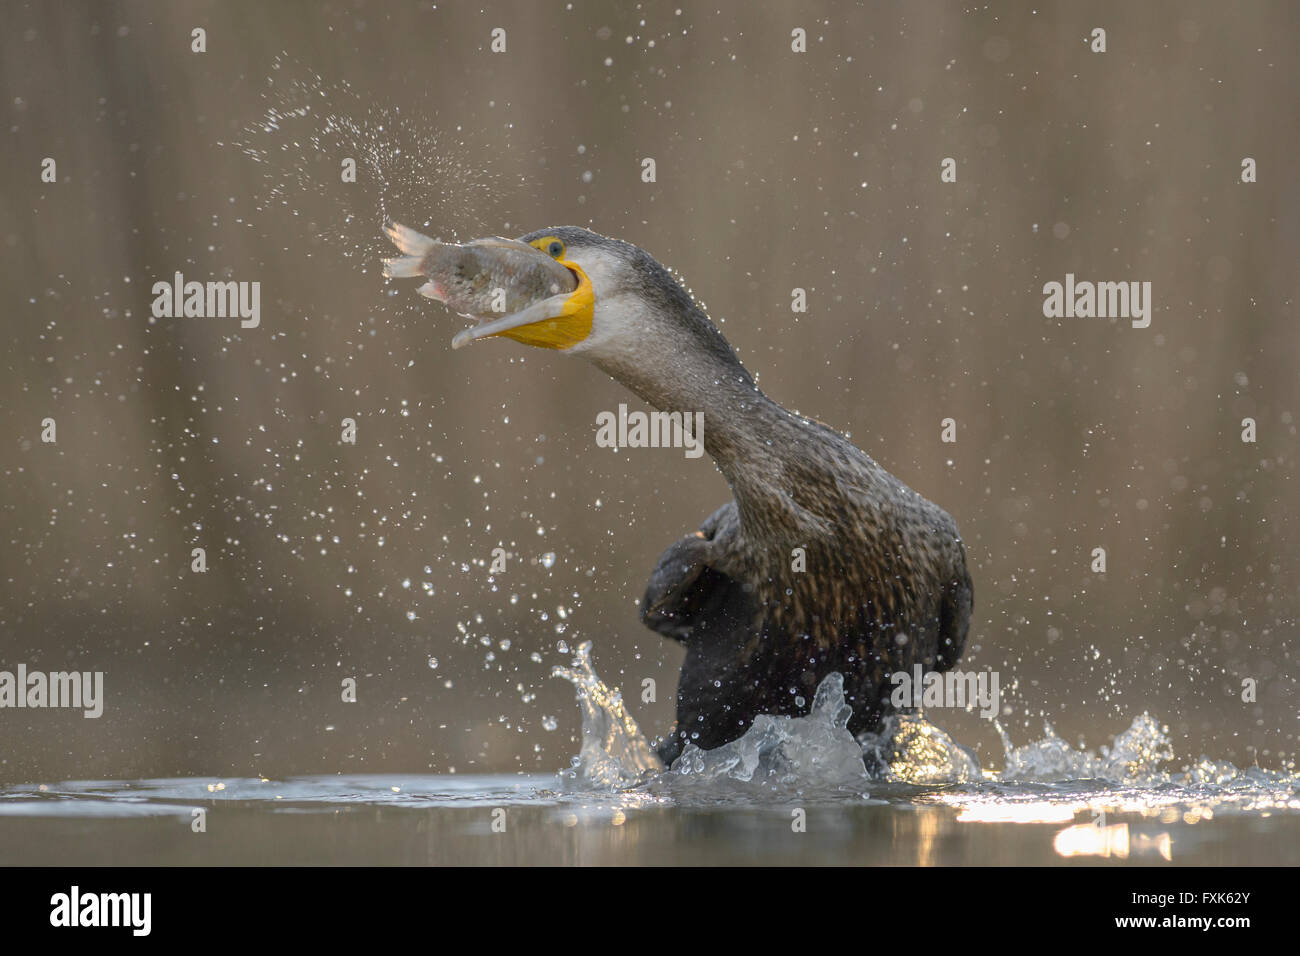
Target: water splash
<point>614,754</point>
<point>1134,756</point>
<point>1046,779</point>
<point>787,752</point>
<point>910,749</point>
<point>776,755</point>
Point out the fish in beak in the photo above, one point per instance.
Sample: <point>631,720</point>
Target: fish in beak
<point>523,291</point>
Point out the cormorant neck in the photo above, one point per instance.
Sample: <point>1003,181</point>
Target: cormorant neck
<point>752,439</point>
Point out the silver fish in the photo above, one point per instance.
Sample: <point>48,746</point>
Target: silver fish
<point>483,278</point>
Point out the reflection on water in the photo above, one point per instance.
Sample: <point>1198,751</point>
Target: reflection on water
<point>1090,839</point>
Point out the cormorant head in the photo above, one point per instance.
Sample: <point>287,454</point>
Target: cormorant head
<point>627,309</point>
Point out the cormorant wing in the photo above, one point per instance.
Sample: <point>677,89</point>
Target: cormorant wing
<point>954,618</point>
<point>686,590</point>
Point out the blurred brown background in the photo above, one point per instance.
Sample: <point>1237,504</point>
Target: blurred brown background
<point>775,170</point>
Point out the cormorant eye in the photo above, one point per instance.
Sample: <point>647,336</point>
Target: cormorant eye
<point>555,249</point>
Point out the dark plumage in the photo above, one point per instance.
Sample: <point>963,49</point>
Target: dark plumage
<point>885,585</point>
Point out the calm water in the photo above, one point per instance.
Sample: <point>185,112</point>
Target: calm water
<point>791,791</point>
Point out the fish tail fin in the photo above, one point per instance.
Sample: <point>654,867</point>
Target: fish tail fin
<point>415,246</point>
<point>402,267</point>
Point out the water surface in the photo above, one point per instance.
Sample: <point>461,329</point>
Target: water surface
<point>791,791</point>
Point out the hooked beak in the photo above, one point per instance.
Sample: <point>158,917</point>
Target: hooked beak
<point>559,322</point>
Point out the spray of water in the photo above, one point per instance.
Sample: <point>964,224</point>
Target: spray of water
<point>817,754</point>
<point>614,752</point>
<point>407,165</point>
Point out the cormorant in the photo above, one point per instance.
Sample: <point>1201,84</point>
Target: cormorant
<point>883,584</point>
